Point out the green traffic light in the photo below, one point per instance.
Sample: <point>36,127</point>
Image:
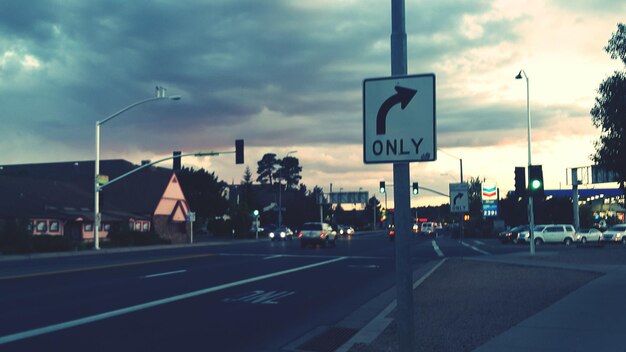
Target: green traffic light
<point>255,212</point>
<point>535,184</point>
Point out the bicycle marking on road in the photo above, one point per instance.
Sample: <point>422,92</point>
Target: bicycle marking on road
<point>106,315</point>
<point>437,250</point>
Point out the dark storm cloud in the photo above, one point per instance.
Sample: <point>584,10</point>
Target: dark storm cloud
<point>230,60</point>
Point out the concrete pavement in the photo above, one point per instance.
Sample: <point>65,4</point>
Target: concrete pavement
<point>588,314</point>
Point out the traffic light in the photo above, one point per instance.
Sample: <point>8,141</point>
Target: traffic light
<point>382,187</point>
<point>239,151</point>
<point>416,188</point>
<point>176,164</point>
<point>255,213</point>
<point>535,181</point>
<point>520,182</point>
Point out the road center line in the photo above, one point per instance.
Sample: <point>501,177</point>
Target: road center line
<point>476,249</point>
<point>93,318</point>
<point>273,256</point>
<point>163,274</point>
<point>108,266</point>
<point>437,250</point>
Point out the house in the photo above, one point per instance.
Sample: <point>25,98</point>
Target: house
<point>58,199</point>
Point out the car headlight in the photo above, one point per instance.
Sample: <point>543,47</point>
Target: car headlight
<point>618,236</point>
<point>272,235</point>
<point>527,235</point>
<point>282,235</point>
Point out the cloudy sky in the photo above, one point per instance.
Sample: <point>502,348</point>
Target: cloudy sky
<point>287,75</point>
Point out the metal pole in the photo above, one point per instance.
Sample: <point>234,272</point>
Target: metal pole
<point>461,163</point>
<point>402,198</point>
<point>96,207</point>
<point>280,203</point>
<point>191,230</point>
<point>321,201</point>
<point>575,199</point>
<point>531,213</point>
<point>160,95</point>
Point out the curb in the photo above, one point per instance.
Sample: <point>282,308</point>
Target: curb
<point>371,330</point>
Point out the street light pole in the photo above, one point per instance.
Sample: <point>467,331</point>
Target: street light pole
<point>531,214</point>
<point>280,186</point>
<point>160,95</point>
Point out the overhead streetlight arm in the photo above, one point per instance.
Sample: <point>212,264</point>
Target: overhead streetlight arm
<point>173,97</point>
<point>159,161</point>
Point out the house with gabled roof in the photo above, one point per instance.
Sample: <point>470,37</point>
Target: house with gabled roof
<point>58,198</point>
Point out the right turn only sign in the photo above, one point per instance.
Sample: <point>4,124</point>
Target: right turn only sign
<point>399,119</point>
<point>459,197</point>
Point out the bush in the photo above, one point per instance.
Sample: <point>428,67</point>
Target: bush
<point>121,238</point>
<point>15,237</point>
<point>49,243</point>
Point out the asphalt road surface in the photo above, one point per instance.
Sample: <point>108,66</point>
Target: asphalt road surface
<point>236,296</point>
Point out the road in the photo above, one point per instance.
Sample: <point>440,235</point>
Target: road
<point>236,296</point>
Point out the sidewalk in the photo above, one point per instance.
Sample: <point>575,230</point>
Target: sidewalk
<point>550,302</point>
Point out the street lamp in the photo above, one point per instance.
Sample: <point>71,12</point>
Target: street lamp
<point>531,215</point>
<point>280,201</point>
<point>160,95</point>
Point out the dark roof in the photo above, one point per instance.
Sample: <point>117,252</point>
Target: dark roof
<point>585,193</point>
<point>138,193</point>
<point>29,197</point>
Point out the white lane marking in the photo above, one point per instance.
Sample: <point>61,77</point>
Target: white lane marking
<point>371,266</point>
<point>273,256</point>
<point>476,249</point>
<point>93,318</point>
<point>480,243</point>
<point>437,250</point>
<point>163,274</point>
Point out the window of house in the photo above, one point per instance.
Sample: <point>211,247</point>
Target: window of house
<point>88,227</point>
<point>41,226</point>
<point>54,226</point>
<point>137,226</point>
<point>146,226</point>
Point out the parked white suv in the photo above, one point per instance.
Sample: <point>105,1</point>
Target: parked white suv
<point>557,233</point>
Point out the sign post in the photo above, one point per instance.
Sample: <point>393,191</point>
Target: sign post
<point>191,217</point>
<point>399,127</point>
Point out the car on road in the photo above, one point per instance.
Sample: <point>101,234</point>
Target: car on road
<point>553,233</point>
<point>345,230</point>
<point>510,236</point>
<point>427,228</point>
<point>282,233</point>
<point>313,233</point>
<point>616,233</point>
<point>588,235</point>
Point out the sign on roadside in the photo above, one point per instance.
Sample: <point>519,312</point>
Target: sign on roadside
<point>399,119</point>
<point>459,197</point>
